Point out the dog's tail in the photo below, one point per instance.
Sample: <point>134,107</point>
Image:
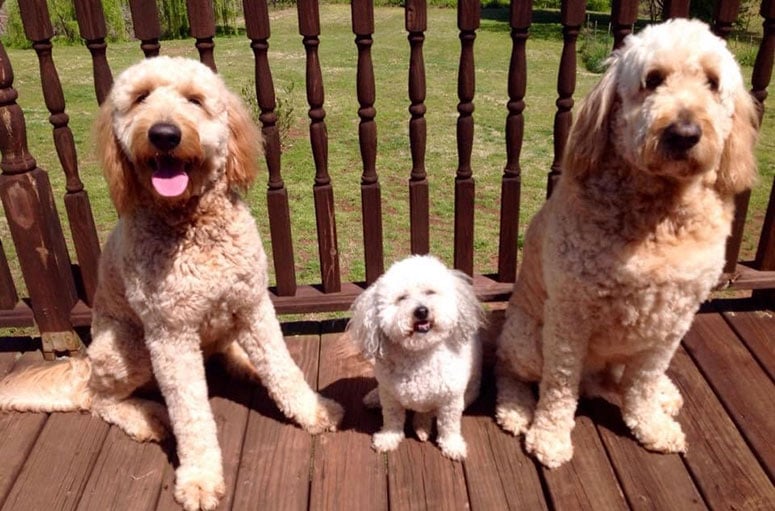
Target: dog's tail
<point>61,386</point>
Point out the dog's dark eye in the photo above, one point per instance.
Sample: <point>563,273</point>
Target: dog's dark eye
<point>196,100</point>
<point>401,298</point>
<point>430,292</point>
<point>713,82</point>
<point>653,80</point>
<point>141,97</point>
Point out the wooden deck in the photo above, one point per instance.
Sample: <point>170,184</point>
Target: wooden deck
<point>724,369</point>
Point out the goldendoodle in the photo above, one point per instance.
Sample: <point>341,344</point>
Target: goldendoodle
<point>419,324</point>
<point>182,276</point>
<point>632,240</point>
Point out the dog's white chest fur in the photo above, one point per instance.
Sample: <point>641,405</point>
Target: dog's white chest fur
<point>422,381</point>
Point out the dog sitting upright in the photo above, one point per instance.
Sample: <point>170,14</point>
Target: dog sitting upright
<point>419,324</point>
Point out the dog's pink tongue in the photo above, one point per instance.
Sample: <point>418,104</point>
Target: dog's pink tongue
<point>170,179</point>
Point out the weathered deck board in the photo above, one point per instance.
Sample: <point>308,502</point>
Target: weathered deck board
<point>74,461</point>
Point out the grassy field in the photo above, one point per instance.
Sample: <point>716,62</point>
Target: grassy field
<point>338,58</point>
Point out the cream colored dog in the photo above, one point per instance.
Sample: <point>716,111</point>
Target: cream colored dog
<point>182,276</point>
<point>631,242</point>
<point>419,324</point>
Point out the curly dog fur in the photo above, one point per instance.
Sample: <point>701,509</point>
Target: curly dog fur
<point>632,240</point>
<point>182,276</point>
<point>419,323</point>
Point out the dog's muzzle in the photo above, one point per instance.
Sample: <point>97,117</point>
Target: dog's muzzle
<point>169,178</point>
<point>421,323</point>
<point>679,137</point>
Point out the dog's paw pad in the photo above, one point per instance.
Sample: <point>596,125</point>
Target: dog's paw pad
<point>551,448</point>
<point>386,440</point>
<point>197,489</point>
<point>453,447</point>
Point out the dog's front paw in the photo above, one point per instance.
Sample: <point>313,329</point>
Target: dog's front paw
<point>552,447</point>
<point>199,489</point>
<point>670,399</point>
<point>384,441</point>
<point>327,417</point>
<point>453,447</point>
<point>660,433</point>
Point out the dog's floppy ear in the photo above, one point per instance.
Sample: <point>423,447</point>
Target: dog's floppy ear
<point>589,135</point>
<point>737,169</point>
<point>115,165</point>
<point>245,145</point>
<point>364,324</point>
<point>471,314</point>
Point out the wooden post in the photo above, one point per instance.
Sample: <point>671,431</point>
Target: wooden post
<point>371,199</point>
<point>257,27</point>
<point>511,182</point>
<point>309,28</point>
<point>34,224</point>
<point>91,23</point>
<point>145,18</point>
<point>416,22</point>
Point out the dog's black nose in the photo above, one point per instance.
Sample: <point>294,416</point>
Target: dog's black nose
<point>421,312</point>
<point>681,136</point>
<point>164,136</point>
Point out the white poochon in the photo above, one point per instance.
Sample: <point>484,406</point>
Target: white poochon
<point>419,324</point>
<point>632,240</point>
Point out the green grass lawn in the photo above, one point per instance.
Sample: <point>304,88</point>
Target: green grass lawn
<point>338,59</point>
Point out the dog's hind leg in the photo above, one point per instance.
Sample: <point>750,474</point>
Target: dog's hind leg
<point>515,403</point>
<point>423,424</point>
<point>262,339</point>
<point>120,364</point>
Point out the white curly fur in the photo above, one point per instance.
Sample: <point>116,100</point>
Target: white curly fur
<point>182,276</point>
<point>419,324</point>
<point>631,242</point>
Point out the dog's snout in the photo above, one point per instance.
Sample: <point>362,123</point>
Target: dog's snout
<point>681,136</point>
<point>421,312</point>
<point>164,136</point>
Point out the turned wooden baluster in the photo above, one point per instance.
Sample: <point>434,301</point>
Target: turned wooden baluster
<point>371,200</point>
<point>257,27</point>
<point>468,16</point>
<point>624,13</point>
<point>762,73</point>
<point>572,17</point>
<point>34,224</point>
<point>675,9</point>
<point>91,24</point>
<point>201,19</point>
<point>511,182</point>
<point>416,22</point>
<point>145,18</point>
<point>8,295</point>
<point>309,28</point>
<point>37,27</point>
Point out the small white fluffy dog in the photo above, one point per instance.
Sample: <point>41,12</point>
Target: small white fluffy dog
<point>419,324</point>
<point>631,242</point>
<point>182,276</point>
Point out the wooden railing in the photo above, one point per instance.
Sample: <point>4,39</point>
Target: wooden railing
<point>60,292</point>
